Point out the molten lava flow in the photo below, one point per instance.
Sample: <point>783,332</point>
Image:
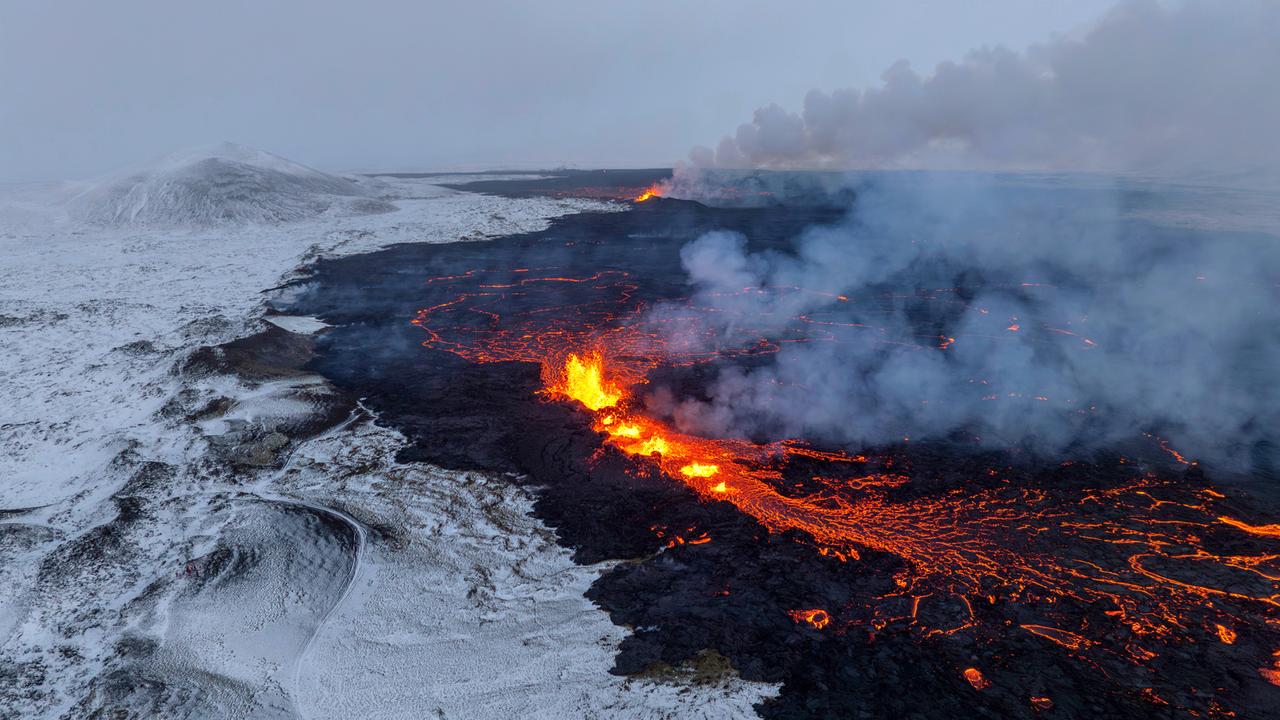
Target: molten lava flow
<point>817,617</point>
<point>1119,571</point>
<point>652,191</point>
<point>976,679</point>
<point>971,545</point>
<point>1266,530</point>
<point>582,379</point>
<point>698,470</point>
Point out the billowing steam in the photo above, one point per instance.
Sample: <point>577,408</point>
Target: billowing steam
<point>1019,311</point>
<point>1187,87</point>
<point>1055,312</point>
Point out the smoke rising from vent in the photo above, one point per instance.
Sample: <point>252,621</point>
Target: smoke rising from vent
<point>1061,313</point>
<point>1152,87</point>
<point>1039,312</point>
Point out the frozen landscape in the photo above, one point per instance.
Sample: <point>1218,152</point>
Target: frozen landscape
<point>878,360</point>
<point>182,536</point>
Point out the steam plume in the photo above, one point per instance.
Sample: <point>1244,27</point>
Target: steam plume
<point>1077,321</point>
<point>1154,87</point>
<point>1083,309</point>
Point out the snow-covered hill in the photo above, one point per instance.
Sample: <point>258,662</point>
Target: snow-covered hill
<point>221,184</point>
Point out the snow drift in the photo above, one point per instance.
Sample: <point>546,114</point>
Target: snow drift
<point>221,184</point>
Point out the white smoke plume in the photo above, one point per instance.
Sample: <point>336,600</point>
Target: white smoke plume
<point>1062,313</point>
<point>1023,312</point>
<point>1154,87</point>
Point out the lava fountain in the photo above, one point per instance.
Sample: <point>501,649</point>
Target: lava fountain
<point>653,191</point>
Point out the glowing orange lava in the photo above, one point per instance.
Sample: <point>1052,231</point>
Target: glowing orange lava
<point>582,379</point>
<point>817,617</point>
<point>966,544</point>
<point>1265,530</point>
<point>698,470</point>
<point>1272,674</point>
<point>652,191</point>
<point>1130,558</point>
<point>976,679</point>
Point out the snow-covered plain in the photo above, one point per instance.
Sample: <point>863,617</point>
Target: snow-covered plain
<point>144,574</point>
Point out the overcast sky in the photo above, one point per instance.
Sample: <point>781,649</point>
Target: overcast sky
<point>88,86</point>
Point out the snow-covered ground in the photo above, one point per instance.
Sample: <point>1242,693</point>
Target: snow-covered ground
<point>144,574</point>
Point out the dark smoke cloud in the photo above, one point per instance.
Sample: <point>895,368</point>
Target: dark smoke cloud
<point>1154,87</point>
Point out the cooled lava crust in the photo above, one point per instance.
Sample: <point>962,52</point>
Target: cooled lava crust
<point>856,630</point>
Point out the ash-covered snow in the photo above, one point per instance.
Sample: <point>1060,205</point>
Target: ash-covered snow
<point>169,549</point>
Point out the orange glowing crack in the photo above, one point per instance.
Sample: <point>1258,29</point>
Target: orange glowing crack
<point>1066,639</point>
<point>1264,530</point>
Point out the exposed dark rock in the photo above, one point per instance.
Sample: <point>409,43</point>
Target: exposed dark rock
<point>735,593</point>
<point>271,354</point>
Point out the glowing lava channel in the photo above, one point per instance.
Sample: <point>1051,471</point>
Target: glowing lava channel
<point>1134,551</point>
<point>974,545</point>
